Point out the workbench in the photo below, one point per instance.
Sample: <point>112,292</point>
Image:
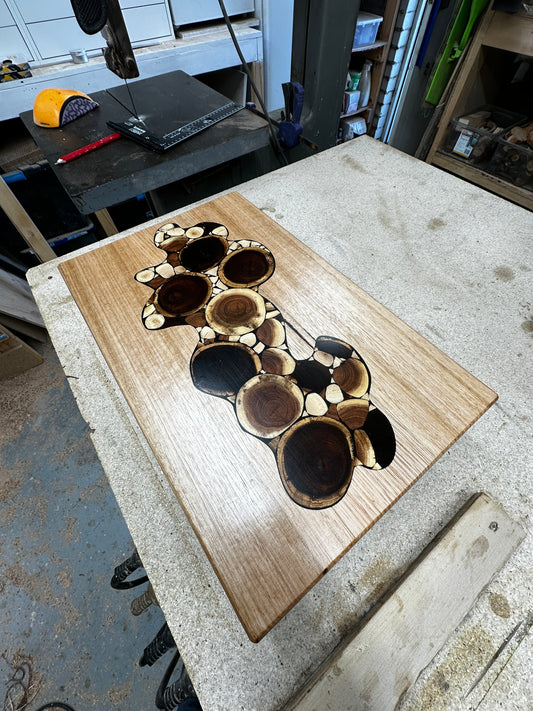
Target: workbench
<point>122,170</point>
<point>452,261</point>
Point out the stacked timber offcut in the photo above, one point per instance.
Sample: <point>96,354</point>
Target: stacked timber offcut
<point>513,158</point>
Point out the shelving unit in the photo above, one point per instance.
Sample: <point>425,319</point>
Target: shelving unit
<point>377,53</point>
<point>478,82</point>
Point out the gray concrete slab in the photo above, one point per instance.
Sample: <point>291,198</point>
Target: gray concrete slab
<point>455,263</point>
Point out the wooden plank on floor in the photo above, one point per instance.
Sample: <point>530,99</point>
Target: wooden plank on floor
<point>376,665</point>
<point>18,310</point>
<point>16,299</point>
<point>15,355</point>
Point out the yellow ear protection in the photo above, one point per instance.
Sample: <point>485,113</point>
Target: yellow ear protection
<point>53,108</point>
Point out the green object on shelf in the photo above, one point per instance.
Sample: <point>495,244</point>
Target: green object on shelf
<point>467,16</point>
<point>353,82</point>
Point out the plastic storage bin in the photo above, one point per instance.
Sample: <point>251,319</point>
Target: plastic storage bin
<point>475,145</point>
<point>366,29</point>
<point>513,162</point>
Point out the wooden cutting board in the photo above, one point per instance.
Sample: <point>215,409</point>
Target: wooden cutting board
<point>268,543</point>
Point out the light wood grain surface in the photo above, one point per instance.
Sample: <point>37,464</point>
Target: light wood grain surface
<point>266,550</point>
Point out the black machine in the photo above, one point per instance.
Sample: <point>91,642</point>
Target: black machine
<point>105,16</point>
<point>189,108</point>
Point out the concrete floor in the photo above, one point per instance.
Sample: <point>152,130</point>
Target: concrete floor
<point>65,634</point>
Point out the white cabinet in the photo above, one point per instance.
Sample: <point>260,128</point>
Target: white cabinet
<point>185,13</point>
<point>47,31</point>
<point>12,42</point>
<point>32,11</point>
<point>6,18</point>
<point>50,36</point>
<point>39,11</point>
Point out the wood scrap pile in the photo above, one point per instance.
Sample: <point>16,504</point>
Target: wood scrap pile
<point>482,119</point>
<point>473,135</point>
<point>521,135</point>
<point>513,158</point>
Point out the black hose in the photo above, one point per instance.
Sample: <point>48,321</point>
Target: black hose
<point>118,581</point>
<point>161,699</point>
<point>162,642</point>
<point>273,134</point>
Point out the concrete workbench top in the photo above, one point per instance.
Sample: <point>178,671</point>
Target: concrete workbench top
<point>455,263</point>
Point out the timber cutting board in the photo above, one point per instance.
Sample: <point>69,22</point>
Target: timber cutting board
<point>318,374</point>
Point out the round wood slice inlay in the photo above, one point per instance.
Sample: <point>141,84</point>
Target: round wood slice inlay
<point>271,332</point>
<point>154,321</point>
<point>223,368</point>
<point>315,460</point>
<point>337,348</point>
<point>324,358</point>
<point>183,294</point>
<point>315,405</point>
<point>249,266</point>
<point>364,449</point>
<point>236,311</point>
<point>334,394</point>
<point>312,375</point>
<point>353,412</point>
<point>277,361</point>
<point>165,270</point>
<point>204,253</point>
<point>194,232</point>
<point>268,404</point>
<point>171,240</point>
<point>352,377</point>
<point>145,275</point>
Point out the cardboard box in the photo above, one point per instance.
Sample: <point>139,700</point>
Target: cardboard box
<point>352,127</point>
<point>350,101</point>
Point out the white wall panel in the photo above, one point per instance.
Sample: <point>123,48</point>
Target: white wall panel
<point>184,13</point>
<point>12,44</point>
<point>6,18</point>
<point>56,38</point>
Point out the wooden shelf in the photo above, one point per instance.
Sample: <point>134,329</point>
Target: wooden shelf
<point>516,194</point>
<point>513,33</point>
<point>362,110</point>
<point>497,31</point>
<point>377,53</point>
<point>369,47</point>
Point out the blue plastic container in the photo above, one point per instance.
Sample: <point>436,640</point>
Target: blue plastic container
<point>366,29</point>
